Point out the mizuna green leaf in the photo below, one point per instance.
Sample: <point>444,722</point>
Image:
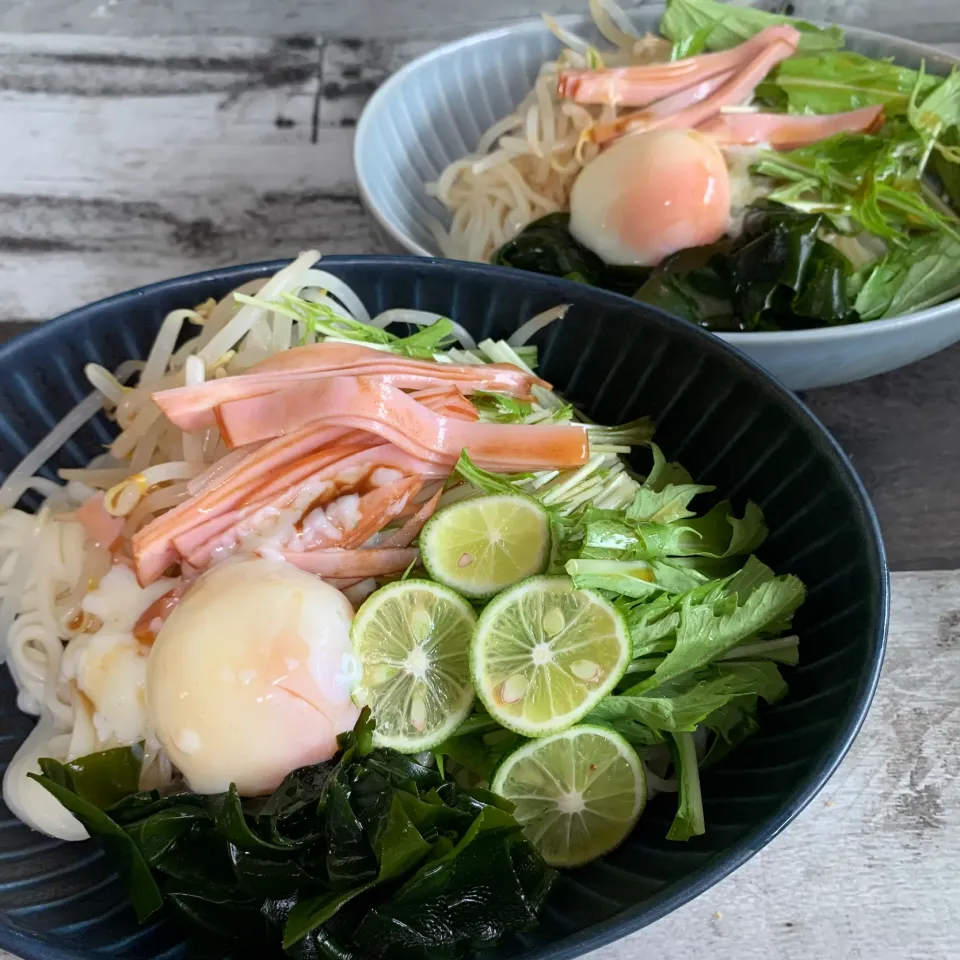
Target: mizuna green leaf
<point>920,275</point>
<point>684,704</point>
<point>703,634</point>
<point>689,820</point>
<point>732,24</point>
<point>836,81</point>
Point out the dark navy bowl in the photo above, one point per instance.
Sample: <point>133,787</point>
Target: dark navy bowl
<point>725,419</point>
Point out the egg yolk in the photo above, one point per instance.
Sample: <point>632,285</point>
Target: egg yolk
<point>650,195</point>
<point>251,676</point>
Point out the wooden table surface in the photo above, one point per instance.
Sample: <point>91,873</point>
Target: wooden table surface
<point>149,138</point>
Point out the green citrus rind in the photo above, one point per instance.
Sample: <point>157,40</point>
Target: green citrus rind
<point>413,641</point>
<point>483,545</point>
<point>545,652</point>
<point>577,794</point>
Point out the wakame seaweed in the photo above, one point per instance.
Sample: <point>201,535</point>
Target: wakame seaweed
<point>547,246</point>
<point>779,274</point>
<point>371,854</point>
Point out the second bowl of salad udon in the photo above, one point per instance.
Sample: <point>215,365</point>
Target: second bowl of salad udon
<point>385,608</point>
<point>793,188</point>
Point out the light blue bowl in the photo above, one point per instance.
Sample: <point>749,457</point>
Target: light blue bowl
<point>435,109</point>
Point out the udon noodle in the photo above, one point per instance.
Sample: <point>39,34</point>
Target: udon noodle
<point>524,165</point>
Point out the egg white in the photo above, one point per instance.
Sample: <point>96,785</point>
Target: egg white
<point>251,676</point>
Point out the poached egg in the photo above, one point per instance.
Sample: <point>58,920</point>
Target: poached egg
<point>251,676</point>
<point>650,195</point>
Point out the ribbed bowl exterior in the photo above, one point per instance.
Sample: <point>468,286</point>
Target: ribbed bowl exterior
<point>716,412</point>
<point>434,110</point>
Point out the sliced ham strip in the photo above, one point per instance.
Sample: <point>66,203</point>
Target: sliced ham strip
<point>304,530</point>
<point>153,545</point>
<point>102,527</point>
<point>411,529</point>
<point>324,475</point>
<point>327,473</point>
<point>682,99</point>
<point>448,402</point>
<point>786,132</point>
<point>191,408</point>
<point>639,86</point>
<point>342,358</point>
<point>232,489</point>
<point>366,404</point>
<point>351,564</point>
<point>732,93</point>
<point>295,486</point>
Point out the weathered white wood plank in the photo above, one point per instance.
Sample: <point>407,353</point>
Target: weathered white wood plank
<point>107,117</point>
<point>352,71</point>
<point>869,870</point>
<point>144,159</point>
<point>382,18</point>
<point>361,18</point>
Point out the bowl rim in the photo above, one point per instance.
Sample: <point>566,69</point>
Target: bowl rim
<point>30,947</point>
<point>365,130</point>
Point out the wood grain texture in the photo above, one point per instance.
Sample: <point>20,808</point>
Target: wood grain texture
<point>922,19</point>
<point>141,159</point>
<point>902,432</point>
